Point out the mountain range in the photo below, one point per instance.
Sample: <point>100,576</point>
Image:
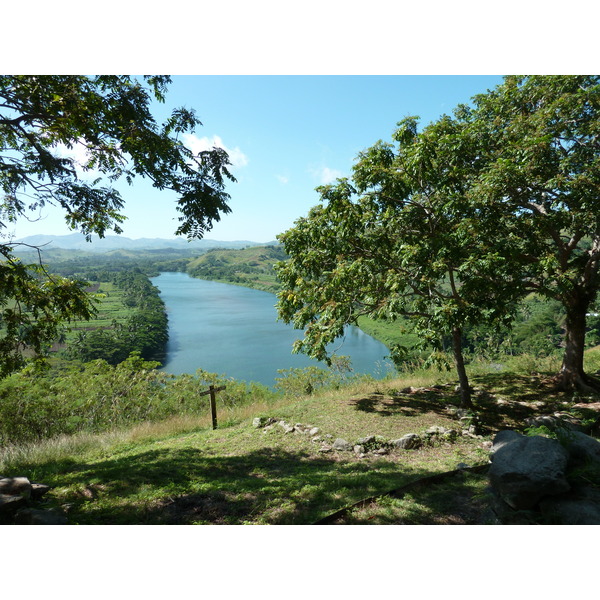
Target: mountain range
<point>77,241</point>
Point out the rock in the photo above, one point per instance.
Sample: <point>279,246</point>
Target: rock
<point>503,438</point>
<point>38,490</point>
<point>506,515</point>
<point>553,422</point>
<point>314,431</point>
<point>31,516</point>
<point>381,451</point>
<point>366,440</point>
<point>286,428</point>
<point>582,448</point>
<point>408,441</point>
<point>342,444</point>
<point>450,435</point>
<point>525,469</point>
<point>259,422</point>
<point>358,449</point>
<point>9,505</point>
<point>325,448</point>
<point>16,486</point>
<point>436,430</point>
<point>581,507</point>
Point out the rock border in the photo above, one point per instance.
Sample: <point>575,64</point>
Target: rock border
<point>374,444</point>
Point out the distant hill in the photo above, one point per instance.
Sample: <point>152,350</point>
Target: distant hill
<point>77,241</point>
<point>251,267</point>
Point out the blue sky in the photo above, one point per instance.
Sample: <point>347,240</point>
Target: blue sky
<point>286,135</point>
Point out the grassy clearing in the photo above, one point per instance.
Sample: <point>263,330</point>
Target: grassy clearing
<point>180,471</point>
<point>111,311</point>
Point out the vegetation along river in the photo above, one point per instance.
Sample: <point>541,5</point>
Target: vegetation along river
<point>233,330</point>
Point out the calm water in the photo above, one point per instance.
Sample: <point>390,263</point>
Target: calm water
<point>232,330</point>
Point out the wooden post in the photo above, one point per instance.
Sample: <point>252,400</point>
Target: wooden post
<point>212,391</point>
<point>213,406</point>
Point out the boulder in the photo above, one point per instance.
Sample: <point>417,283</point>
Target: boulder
<point>581,507</point>
<point>408,441</point>
<point>341,444</point>
<point>16,486</point>
<point>366,440</point>
<point>525,469</point>
<point>38,490</point>
<point>31,516</point>
<point>555,422</point>
<point>436,430</point>
<point>9,505</point>
<point>582,448</point>
<point>450,435</point>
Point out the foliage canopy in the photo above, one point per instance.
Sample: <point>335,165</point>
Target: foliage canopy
<point>108,120</point>
<point>453,225</point>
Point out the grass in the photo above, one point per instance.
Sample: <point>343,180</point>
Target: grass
<point>111,310</point>
<point>180,471</point>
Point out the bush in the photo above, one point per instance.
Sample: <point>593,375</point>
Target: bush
<point>98,396</point>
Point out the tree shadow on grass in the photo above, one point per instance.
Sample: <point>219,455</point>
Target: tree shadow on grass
<point>187,486</point>
<point>507,400</point>
<point>398,404</point>
<point>502,400</point>
<point>458,499</point>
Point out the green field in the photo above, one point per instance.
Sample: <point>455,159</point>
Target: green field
<point>111,311</point>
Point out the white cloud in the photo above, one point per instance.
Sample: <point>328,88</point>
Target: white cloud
<point>326,175</point>
<point>196,145</point>
<point>80,155</point>
<point>282,179</point>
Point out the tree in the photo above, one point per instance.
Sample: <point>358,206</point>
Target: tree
<point>400,240</point>
<point>110,118</point>
<point>540,139</point>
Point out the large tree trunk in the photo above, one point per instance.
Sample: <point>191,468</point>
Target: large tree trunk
<point>463,380</point>
<point>571,375</point>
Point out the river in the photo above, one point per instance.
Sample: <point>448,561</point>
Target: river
<point>233,330</point>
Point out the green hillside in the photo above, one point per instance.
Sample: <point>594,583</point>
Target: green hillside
<point>251,267</point>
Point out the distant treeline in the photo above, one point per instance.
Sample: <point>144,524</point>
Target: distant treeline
<point>145,328</point>
<point>145,331</point>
